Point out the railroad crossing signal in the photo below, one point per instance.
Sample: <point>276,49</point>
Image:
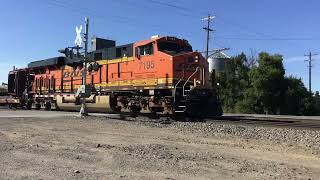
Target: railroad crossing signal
<point>78,40</point>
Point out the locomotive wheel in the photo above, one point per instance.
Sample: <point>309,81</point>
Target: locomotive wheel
<point>13,106</point>
<point>56,107</point>
<point>154,115</point>
<point>29,105</point>
<point>48,106</point>
<point>135,110</point>
<point>38,106</point>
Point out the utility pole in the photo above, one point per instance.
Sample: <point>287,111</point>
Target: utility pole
<point>208,30</point>
<point>84,111</point>
<point>310,67</point>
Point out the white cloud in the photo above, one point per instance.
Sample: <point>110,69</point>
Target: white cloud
<point>294,59</point>
<point>5,67</point>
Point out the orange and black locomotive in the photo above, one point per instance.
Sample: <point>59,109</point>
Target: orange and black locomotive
<point>158,75</point>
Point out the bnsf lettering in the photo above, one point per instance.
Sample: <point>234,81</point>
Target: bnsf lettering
<point>76,73</point>
<point>68,74</point>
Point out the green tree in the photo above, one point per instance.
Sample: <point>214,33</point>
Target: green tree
<point>296,98</point>
<point>233,82</point>
<point>317,103</point>
<point>251,103</point>
<point>312,105</point>
<point>267,84</point>
<point>263,88</point>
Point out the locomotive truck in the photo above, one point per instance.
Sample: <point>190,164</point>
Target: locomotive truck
<point>160,75</point>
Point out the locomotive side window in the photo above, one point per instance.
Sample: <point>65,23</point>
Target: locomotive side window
<point>124,51</point>
<point>137,52</point>
<point>118,52</point>
<point>145,50</point>
<point>149,49</point>
<point>173,47</point>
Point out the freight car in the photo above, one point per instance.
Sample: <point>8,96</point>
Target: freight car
<point>158,75</point>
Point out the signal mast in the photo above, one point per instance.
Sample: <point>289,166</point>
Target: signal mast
<point>84,89</point>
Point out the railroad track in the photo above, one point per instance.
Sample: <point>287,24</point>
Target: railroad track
<point>270,121</point>
<point>248,120</point>
<point>286,121</point>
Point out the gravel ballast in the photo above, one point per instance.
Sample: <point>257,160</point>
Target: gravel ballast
<point>142,148</point>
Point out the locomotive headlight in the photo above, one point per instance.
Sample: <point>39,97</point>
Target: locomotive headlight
<point>196,58</point>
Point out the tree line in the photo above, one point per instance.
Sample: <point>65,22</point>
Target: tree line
<point>263,88</point>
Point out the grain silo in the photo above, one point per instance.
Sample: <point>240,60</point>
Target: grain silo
<point>218,61</point>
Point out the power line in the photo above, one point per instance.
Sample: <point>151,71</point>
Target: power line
<point>70,5</point>
<point>186,12</point>
<point>170,5</point>
<point>310,66</point>
<point>259,34</point>
<point>270,39</point>
<point>116,19</point>
<point>241,27</point>
<point>181,10</point>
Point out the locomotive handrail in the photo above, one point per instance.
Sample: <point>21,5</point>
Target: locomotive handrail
<point>175,90</point>
<point>197,69</point>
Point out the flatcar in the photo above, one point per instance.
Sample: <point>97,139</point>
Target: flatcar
<point>160,75</point>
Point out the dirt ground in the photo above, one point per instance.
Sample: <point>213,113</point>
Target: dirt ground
<point>101,148</point>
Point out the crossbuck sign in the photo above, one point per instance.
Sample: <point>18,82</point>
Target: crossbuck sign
<point>78,40</point>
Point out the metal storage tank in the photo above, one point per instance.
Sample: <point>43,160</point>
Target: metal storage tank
<point>218,61</point>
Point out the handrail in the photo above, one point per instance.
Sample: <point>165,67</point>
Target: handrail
<point>197,69</point>
<point>175,90</point>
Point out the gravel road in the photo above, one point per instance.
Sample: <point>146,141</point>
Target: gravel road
<point>101,148</point>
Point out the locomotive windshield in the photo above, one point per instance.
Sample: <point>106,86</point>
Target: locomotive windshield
<point>173,47</point>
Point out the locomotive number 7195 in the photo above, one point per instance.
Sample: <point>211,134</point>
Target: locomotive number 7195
<point>146,65</point>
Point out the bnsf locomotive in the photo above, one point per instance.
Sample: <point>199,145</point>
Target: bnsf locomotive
<point>158,75</point>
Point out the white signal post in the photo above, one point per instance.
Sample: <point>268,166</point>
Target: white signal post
<point>83,110</point>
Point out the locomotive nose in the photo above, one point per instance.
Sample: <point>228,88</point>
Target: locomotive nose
<point>203,102</point>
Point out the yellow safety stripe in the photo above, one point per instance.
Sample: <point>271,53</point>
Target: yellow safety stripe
<point>113,61</point>
<point>146,83</point>
<point>138,82</point>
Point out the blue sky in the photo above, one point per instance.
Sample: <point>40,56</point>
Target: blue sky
<point>36,29</point>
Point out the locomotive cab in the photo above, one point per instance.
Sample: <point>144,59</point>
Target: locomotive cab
<point>173,46</point>
<point>189,70</point>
